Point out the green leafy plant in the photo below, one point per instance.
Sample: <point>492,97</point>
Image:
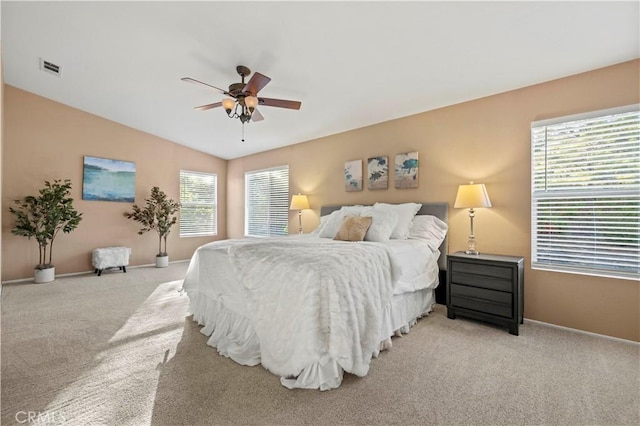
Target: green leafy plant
<point>42,217</point>
<point>157,215</point>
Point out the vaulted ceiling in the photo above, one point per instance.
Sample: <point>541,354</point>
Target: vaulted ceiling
<point>351,64</point>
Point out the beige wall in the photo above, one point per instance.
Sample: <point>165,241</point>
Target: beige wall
<point>485,140</point>
<point>1,143</point>
<point>45,140</point>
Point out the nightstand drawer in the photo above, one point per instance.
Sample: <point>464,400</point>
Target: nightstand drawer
<point>485,306</point>
<point>480,293</point>
<point>483,269</point>
<point>483,281</point>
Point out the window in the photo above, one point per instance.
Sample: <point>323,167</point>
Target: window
<point>586,193</point>
<point>267,202</point>
<point>198,212</point>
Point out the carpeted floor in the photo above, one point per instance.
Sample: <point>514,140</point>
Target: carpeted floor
<point>121,350</point>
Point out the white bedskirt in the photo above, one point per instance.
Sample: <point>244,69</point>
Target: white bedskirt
<point>233,335</point>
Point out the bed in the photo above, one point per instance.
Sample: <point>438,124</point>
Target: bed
<point>308,307</point>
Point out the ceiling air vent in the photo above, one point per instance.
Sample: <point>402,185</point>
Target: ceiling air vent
<point>50,67</point>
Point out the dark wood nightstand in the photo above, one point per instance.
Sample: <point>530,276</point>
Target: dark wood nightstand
<point>486,287</point>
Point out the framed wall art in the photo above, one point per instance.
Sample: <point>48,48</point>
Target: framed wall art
<point>108,180</point>
<point>378,173</point>
<point>406,170</point>
<point>353,176</point>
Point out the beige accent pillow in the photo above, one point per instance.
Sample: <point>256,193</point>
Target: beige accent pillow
<point>353,228</point>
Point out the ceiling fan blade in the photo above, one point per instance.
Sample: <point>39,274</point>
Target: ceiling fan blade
<point>194,81</point>
<point>256,116</point>
<point>280,103</point>
<point>207,106</point>
<point>256,83</point>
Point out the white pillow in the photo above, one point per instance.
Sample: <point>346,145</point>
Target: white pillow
<point>382,224</point>
<point>323,222</point>
<point>406,212</point>
<point>429,229</point>
<point>351,210</point>
<point>334,220</point>
<point>331,225</point>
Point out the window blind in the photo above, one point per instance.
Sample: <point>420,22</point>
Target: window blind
<point>267,202</point>
<point>198,204</point>
<point>586,193</point>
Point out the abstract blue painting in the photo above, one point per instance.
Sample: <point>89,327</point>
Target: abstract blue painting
<point>406,168</point>
<point>377,168</point>
<point>353,176</point>
<point>109,180</point>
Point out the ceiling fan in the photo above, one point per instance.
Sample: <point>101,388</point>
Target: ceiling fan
<point>245,97</point>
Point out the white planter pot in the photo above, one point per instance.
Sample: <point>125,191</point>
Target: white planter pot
<point>162,261</point>
<point>44,275</point>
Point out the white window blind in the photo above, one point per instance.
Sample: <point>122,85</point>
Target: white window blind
<point>586,193</point>
<point>198,204</point>
<point>267,202</point>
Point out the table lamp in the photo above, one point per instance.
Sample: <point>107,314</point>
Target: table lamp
<point>472,196</point>
<point>299,202</point>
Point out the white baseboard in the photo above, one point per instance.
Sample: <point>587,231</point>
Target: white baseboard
<point>588,333</point>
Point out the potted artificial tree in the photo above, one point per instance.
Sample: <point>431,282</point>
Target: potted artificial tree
<point>43,217</point>
<point>157,215</point>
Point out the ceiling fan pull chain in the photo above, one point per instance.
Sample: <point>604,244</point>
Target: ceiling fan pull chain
<point>243,132</point>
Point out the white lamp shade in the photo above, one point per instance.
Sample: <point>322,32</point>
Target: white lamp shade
<point>299,202</point>
<point>472,196</point>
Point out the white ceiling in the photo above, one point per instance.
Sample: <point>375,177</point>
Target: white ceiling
<point>351,64</point>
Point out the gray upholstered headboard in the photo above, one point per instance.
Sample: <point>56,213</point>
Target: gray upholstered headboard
<point>439,210</point>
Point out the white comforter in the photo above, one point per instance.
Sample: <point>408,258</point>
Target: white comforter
<point>309,306</point>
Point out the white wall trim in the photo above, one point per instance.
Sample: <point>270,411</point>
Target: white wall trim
<point>588,333</point>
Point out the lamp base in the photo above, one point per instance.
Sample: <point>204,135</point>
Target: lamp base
<point>471,245</point>
<point>300,221</point>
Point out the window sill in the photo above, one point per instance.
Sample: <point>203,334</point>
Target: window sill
<point>585,271</point>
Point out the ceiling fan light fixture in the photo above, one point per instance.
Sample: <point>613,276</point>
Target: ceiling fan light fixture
<point>228,104</point>
<point>251,102</point>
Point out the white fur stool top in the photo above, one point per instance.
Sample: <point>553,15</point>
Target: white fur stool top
<point>110,257</point>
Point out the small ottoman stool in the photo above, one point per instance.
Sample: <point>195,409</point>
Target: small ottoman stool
<point>110,257</point>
